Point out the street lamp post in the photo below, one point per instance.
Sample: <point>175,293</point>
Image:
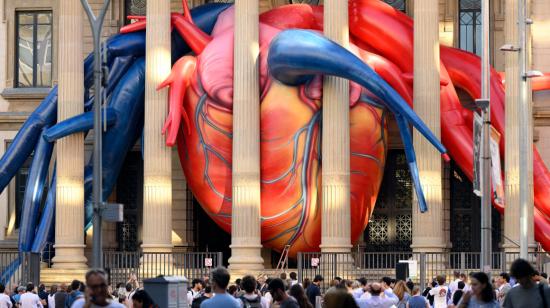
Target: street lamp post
<point>96,23</point>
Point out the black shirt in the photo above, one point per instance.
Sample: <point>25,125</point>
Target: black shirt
<point>312,292</point>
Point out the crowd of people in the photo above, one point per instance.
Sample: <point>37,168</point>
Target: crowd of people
<point>523,287</point>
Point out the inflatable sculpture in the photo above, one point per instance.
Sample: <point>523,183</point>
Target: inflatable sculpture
<point>293,58</point>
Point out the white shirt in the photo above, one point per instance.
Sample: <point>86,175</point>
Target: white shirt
<point>454,285</point>
<point>51,301</point>
<point>5,301</point>
<point>440,296</point>
<point>389,300</point>
<point>30,300</point>
<point>79,303</point>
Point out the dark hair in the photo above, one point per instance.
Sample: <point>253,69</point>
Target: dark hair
<point>487,294</point>
<point>461,285</point>
<point>232,290</point>
<point>129,287</point>
<point>299,294</point>
<point>276,284</point>
<point>318,278</point>
<point>121,299</point>
<point>336,298</point>
<point>521,269</point>
<point>144,298</point>
<point>30,287</point>
<point>544,275</point>
<point>434,283</point>
<point>221,277</point>
<point>283,276</point>
<point>306,283</point>
<point>375,290</point>
<point>195,281</point>
<point>208,289</point>
<point>440,279</point>
<point>41,287</point>
<point>75,285</point>
<point>293,275</point>
<point>362,281</point>
<point>248,284</point>
<point>410,284</point>
<point>386,280</point>
<point>505,276</point>
<point>338,278</point>
<point>2,288</point>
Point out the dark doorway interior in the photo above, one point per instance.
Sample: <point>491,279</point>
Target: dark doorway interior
<point>129,191</point>
<point>210,236</point>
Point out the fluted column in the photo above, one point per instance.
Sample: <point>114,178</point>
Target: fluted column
<point>157,167</point>
<point>336,220</point>
<point>245,227</point>
<point>428,232</point>
<point>511,161</point>
<point>69,212</point>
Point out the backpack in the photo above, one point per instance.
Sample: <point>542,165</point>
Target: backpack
<point>252,303</point>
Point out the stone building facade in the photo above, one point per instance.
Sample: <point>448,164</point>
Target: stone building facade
<point>31,29</point>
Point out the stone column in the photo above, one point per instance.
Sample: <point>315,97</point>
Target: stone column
<point>336,230</point>
<point>511,161</point>
<point>157,165</point>
<point>69,212</point>
<point>428,228</point>
<point>245,227</point>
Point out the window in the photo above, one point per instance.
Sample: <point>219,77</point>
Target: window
<point>400,5</point>
<point>470,26</point>
<point>33,65</point>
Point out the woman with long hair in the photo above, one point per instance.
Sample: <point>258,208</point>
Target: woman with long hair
<point>402,292</point>
<point>299,294</point>
<point>481,294</point>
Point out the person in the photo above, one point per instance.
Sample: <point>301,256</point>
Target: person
<point>293,278</point>
<point>410,284</point>
<point>453,286</point>
<point>386,283</point>
<point>426,292</point>
<point>60,297</point>
<point>503,282</point>
<point>29,299</point>
<point>233,290</point>
<point>205,295</point>
<point>122,300</point>
<point>402,293</point>
<point>51,296</point>
<point>195,292</point>
<point>417,300</point>
<point>220,280</point>
<point>338,297</point>
<point>464,278</point>
<point>359,291</point>
<point>306,283</point>
<point>74,294</point>
<point>43,295</point>
<point>277,291</point>
<point>527,294</point>
<point>129,293</point>
<point>5,301</point>
<point>97,292</point>
<point>314,289</point>
<point>18,292</point>
<point>262,284</point>
<point>481,293</point>
<point>459,292</point>
<point>133,280</point>
<point>251,299</point>
<point>440,293</point>
<point>376,300</point>
<point>142,299</point>
<point>299,295</point>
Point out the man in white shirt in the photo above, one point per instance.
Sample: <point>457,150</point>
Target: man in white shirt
<point>29,299</point>
<point>5,301</point>
<point>454,284</point>
<point>503,283</point>
<point>376,300</point>
<point>440,293</point>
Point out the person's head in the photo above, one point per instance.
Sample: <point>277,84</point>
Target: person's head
<point>434,283</point>
<point>75,285</point>
<point>522,271</point>
<point>333,283</point>
<point>503,278</point>
<point>63,287</point>
<point>21,289</point>
<point>53,289</point>
<point>208,291</point>
<point>41,287</point>
<point>337,278</point>
<point>375,289</point>
<point>277,289</point>
<point>410,284</point>
<point>196,284</point>
<point>30,287</point>
<point>96,280</point>
<point>440,280</point>
<point>282,276</point>
<point>248,284</point>
<point>293,276</point>
<point>346,284</point>
<point>416,290</point>
<point>238,282</point>
<point>481,287</point>
<point>122,299</point>
<point>386,282</point>
<point>220,279</point>
<point>318,279</point>
<point>299,294</point>
<point>336,298</point>
<point>362,281</point>
<point>456,274</point>
<point>232,290</point>
<point>129,287</point>
<point>544,275</point>
<point>306,283</point>
<point>400,289</point>
<point>463,277</point>
<point>2,288</point>
<point>141,299</point>
<point>461,285</point>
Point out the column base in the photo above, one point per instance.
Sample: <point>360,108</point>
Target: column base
<point>157,248</point>
<point>421,247</point>
<point>246,258</point>
<point>69,257</point>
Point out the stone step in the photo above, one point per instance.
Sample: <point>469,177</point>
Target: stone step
<point>50,276</point>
